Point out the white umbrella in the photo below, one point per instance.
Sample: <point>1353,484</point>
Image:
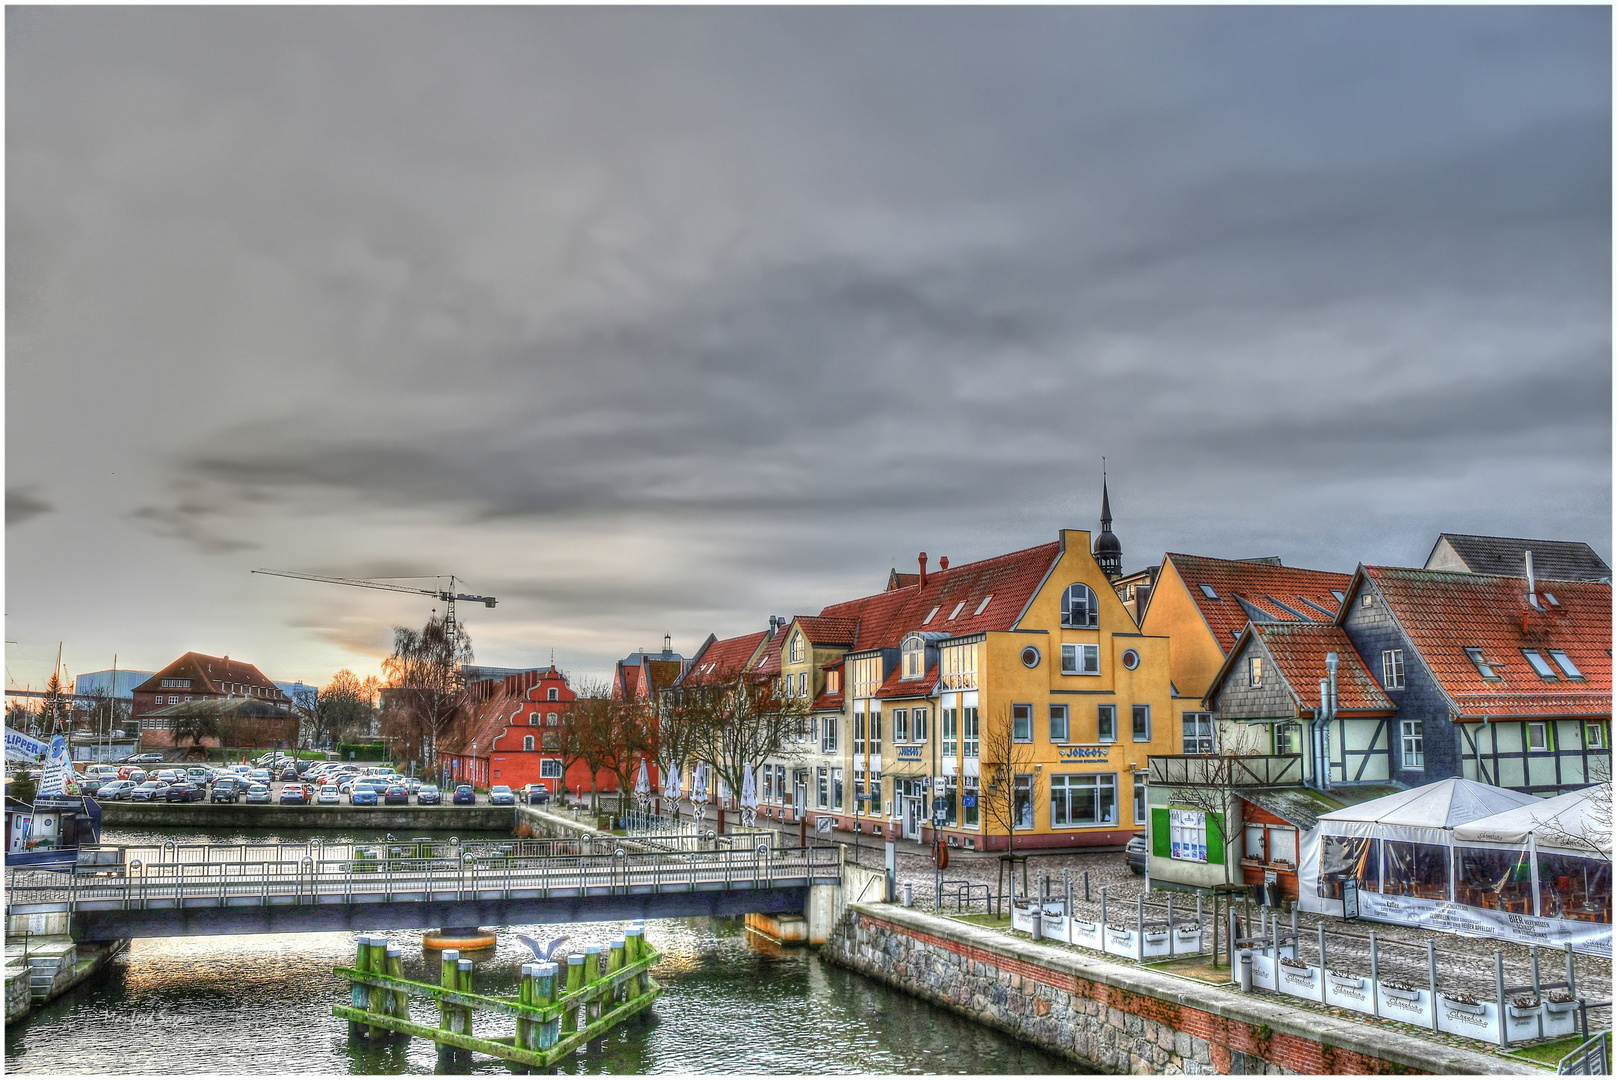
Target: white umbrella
<point>749,789</point>
<point>699,792</point>
<point>671,782</point>
<point>642,782</point>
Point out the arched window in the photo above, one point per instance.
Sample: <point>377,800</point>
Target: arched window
<point>797,649</point>
<point>914,654</point>
<point>1078,606</point>
<point>527,742</point>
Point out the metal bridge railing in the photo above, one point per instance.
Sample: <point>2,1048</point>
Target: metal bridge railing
<point>359,873</point>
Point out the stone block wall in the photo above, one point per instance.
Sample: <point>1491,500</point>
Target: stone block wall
<point>1119,1018</point>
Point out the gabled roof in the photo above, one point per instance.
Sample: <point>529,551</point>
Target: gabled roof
<point>1255,591</point>
<point>896,686</point>
<point>1566,560</point>
<point>718,660</point>
<point>211,672</point>
<point>823,631</point>
<point>895,580</point>
<point>480,721</point>
<point>1443,613</point>
<point>1298,651</point>
<point>1009,580</point>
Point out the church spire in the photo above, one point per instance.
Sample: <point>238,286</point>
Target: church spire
<point>1108,550</point>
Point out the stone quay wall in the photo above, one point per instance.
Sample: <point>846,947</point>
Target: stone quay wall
<point>1121,1018</point>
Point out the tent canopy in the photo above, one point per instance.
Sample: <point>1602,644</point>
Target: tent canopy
<point>1576,823</point>
<point>1424,814</point>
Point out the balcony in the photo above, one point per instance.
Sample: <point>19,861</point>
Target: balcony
<point>1219,770</point>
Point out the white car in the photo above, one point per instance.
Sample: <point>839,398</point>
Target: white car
<point>328,794</point>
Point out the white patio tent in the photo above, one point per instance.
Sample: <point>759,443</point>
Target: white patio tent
<point>1576,823</point>
<point>1406,856</point>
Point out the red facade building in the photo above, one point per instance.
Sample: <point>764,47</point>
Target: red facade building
<point>199,677</point>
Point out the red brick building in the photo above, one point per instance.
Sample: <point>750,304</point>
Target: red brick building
<point>199,677</point>
<point>509,732</point>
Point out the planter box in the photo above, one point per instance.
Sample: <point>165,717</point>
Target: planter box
<point>1560,1006</point>
<point>1463,1006</point>
<point>1350,982</point>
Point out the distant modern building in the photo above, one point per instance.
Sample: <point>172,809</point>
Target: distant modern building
<point>1558,560</point>
<point>98,682</point>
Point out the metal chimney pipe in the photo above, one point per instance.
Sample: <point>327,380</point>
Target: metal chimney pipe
<point>1532,590</point>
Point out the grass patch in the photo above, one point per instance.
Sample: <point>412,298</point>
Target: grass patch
<point>996,921</point>
<point>1200,968</point>
<point>1551,1053</point>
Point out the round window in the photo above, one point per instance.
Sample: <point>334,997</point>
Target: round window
<point>1131,659</point>
<point>1030,656</point>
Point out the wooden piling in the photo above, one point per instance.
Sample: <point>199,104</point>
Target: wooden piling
<point>449,979</point>
<point>395,968</point>
<point>592,975</point>
<point>380,1000</point>
<point>575,981</point>
<point>358,996</point>
<point>546,995</point>
<point>614,963</point>
<point>524,1037</point>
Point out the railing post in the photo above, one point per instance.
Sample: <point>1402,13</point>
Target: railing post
<point>1375,975</point>
<point>1431,978</point>
<point>1170,924</point>
<point>1499,994</point>
<point>1571,975</point>
<point>1201,934</point>
<point>1321,929</point>
<point>1103,889</point>
<point>1139,928</point>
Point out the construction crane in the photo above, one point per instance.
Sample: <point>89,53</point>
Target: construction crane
<point>448,596</point>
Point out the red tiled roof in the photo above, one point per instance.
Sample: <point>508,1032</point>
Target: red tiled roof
<point>895,580</point>
<point>212,671</point>
<point>823,631</point>
<point>827,701</point>
<point>1010,580</point>
<point>768,662</point>
<point>1262,585</point>
<point>896,686</point>
<point>1298,651</point>
<point>1445,612</point>
<point>723,659</point>
<point>480,721</point>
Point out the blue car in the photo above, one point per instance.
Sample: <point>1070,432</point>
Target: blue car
<point>362,795</point>
<point>464,795</point>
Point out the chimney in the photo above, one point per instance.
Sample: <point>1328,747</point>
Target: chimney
<point>923,569</point>
<point>943,562</point>
<point>1532,591</point>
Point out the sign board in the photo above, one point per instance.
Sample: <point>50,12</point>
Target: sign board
<point>1085,753</point>
<point>23,746</point>
<point>1271,877</point>
<point>823,823</point>
<point>968,801</point>
<point>1350,899</point>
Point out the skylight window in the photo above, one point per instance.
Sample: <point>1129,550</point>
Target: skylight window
<point>955,612</point>
<point>1483,667</point>
<point>929,616</point>
<point>1207,591</point>
<point>1565,663</point>
<point>1553,601</point>
<point>1339,594</point>
<point>982,607</point>
<point>1540,665</point>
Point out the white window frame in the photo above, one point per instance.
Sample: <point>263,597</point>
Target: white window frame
<point>553,694</point>
<point>1543,730</point>
<point>1134,716</point>
<point>1412,739</point>
<point>802,684</point>
<point>901,725</point>
<point>914,657</point>
<point>1594,736</point>
<point>1088,617</point>
<point>550,769</point>
<point>796,654</point>
<point>1254,671</point>
<point>982,607</point>
<point>828,734</point>
<point>1199,740</point>
<point>1103,788</point>
<point>1022,714</point>
<point>955,612</point>
<point>1106,717</point>
<point>918,719</point>
<point>1080,659</point>
<point>527,742</point>
<point>1392,669</point>
<point>1060,724</point>
<point>970,731</point>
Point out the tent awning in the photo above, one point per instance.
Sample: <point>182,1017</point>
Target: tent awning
<point>1576,823</point>
<point>1424,814</point>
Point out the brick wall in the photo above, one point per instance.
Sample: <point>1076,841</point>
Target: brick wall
<point>1119,1018</point>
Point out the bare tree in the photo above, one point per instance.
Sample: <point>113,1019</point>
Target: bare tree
<point>424,686</point>
<point>1584,829</point>
<point>746,722</point>
<point>345,707</point>
<point>1009,786</point>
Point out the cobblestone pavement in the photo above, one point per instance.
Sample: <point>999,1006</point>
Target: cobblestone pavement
<point>1463,963</point>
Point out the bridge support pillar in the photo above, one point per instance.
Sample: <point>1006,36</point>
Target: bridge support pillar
<point>821,909</point>
<point>464,938</point>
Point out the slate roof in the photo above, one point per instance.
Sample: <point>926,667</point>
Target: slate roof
<point>722,659</point>
<point>1298,651</point>
<point>1010,580</point>
<point>1566,560</point>
<point>1256,591</point>
<point>1443,612</point>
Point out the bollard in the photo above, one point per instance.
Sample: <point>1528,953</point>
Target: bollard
<point>1086,886</point>
<point>1035,909</point>
<point>1499,994</point>
<point>1431,978</point>
<point>1321,963</point>
<point>909,894</point>
<point>1244,976</point>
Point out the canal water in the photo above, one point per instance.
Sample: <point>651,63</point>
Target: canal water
<point>733,1002</point>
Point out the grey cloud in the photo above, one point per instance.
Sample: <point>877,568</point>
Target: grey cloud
<point>23,505</point>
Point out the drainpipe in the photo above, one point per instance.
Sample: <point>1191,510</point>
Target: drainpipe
<point>1329,702</point>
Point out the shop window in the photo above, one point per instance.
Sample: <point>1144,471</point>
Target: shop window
<point>1084,799</point>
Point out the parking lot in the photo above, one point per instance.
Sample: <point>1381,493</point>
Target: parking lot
<point>207,787</point>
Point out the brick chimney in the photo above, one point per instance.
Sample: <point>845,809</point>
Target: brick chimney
<point>923,569</point>
<point>943,562</point>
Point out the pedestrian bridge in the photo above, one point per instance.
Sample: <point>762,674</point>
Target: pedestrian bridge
<point>178,890</point>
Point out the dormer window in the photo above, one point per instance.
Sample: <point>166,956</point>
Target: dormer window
<point>833,682</point>
<point>1207,591</point>
<point>1484,668</point>
<point>914,652</point>
<point>1539,664</point>
<point>797,649</point>
<point>982,607</point>
<point>1565,663</point>
<point>1078,607</point>
<point>929,615</point>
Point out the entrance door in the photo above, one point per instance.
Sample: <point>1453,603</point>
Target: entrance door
<point>912,818</point>
<point>800,794</point>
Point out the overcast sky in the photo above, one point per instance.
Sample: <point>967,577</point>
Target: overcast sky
<point>657,321</point>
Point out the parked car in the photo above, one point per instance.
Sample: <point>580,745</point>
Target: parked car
<point>396,795</point>
<point>227,789</point>
<point>115,790</point>
<point>261,776</point>
<point>429,795</point>
<point>170,776</point>
<point>150,791</point>
<point>144,759</point>
<point>362,795</point>
<point>184,791</point>
<point>132,772</point>
<point>199,775</point>
<point>500,795</point>
<point>91,785</point>
<point>536,795</point>
<point>1135,853</point>
<point>413,783</point>
<point>465,796</point>
<point>346,784</point>
<point>289,773</point>
<point>258,793</point>
<point>294,795</point>
<point>328,795</point>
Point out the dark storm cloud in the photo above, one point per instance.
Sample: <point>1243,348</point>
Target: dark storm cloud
<point>780,295</point>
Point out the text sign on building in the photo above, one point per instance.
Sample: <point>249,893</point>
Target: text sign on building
<point>909,753</point>
<point>1084,753</point>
